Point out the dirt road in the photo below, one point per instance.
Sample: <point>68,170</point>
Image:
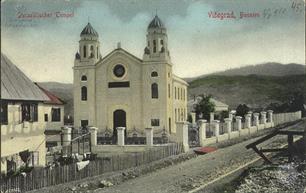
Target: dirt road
<point>193,173</point>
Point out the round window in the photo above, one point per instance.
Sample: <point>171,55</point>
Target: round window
<point>119,70</point>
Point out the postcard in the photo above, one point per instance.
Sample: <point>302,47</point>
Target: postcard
<point>153,96</point>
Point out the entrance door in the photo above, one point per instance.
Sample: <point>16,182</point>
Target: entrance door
<point>119,118</point>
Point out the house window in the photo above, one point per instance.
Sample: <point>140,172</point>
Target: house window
<point>84,51</point>
<point>169,95</point>
<point>175,115</point>
<point>174,92</point>
<point>84,93</point>
<point>181,93</point>
<point>84,123</point>
<point>3,113</point>
<point>154,74</point>
<point>84,78</point>
<point>169,125</point>
<point>154,122</point>
<point>56,114</point>
<point>154,90</point>
<point>162,42</point>
<point>29,112</point>
<point>34,158</point>
<point>46,117</point>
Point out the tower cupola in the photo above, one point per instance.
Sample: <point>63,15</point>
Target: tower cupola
<point>157,41</point>
<point>89,47</point>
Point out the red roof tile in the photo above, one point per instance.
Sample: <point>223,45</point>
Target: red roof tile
<point>53,98</point>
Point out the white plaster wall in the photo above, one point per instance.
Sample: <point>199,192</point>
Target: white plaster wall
<point>17,136</point>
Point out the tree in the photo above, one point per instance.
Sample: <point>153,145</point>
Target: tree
<point>242,110</point>
<point>204,107</point>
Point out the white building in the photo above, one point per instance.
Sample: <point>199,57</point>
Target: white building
<point>26,112</point>
<point>53,117</point>
<point>120,89</point>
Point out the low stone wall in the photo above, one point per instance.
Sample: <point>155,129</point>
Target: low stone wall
<point>244,128</point>
<point>286,117</point>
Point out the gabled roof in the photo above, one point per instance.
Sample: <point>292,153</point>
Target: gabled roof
<point>53,99</point>
<point>120,50</point>
<point>89,30</point>
<point>15,85</point>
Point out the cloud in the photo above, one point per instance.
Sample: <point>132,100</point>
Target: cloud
<point>198,44</point>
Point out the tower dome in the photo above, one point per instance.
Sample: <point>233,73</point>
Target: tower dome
<point>89,30</point>
<point>156,23</point>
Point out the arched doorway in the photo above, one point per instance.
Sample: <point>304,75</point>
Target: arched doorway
<point>119,120</point>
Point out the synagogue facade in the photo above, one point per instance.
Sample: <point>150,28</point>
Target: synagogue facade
<point>122,90</point>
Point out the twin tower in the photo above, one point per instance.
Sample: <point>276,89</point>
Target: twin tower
<point>122,90</point>
<point>156,49</point>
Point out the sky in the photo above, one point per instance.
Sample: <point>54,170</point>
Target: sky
<point>44,48</point>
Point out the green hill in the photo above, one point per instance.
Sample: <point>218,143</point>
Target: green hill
<point>256,91</point>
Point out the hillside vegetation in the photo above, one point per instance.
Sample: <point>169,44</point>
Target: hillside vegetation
<point>254,90</point>
<point>266,69</point>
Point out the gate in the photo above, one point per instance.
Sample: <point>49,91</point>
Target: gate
<point>193,135</point>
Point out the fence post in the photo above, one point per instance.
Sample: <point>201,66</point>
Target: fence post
<point>256,119</point>
<point>248,120</point>
<point>120,136</point>
<point>149,136</point>
<point>66,139</point>
<point>93,135</point>
<point>211,117</point>
<point>263,119</point>
<point>238,123</point>
<point>230,116</point>
<point>182,134</point>
<point>217,128</point>
<point>228,126</point>
<point>270,117</point>
<point>66,135</point>
<point>202,131</point>
<point>193,117</point>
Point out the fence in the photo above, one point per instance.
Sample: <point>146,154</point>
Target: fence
<point>241,127</point>
<point>286,117</point>
<point>43,177</point>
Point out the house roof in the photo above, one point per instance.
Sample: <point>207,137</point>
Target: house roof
<point>15,85</point>
<point>53,99</point>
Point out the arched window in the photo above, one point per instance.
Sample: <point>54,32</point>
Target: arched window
<point>154,90</point>
<point>92,53</point>
<point>84,93</point>
<point>84,51</point>
<point>154,46</point>
<point>97,52</point>
<point>84,78</point>
<point>154,74</point>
